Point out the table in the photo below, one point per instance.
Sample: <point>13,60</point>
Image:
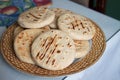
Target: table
<point>109,25</point>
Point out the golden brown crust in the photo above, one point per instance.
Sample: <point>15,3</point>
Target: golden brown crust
<point>36,17</point>
<point>53,50</point>
<point>23,42</point>
<point>77,26</point>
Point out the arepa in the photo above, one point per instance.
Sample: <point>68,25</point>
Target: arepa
<point>77,26</point>
<point>36,17</point>
<point>53,50</point>
<point>23,42</point>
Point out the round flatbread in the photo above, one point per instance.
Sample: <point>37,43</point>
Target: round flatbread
<point>82,48</point>
<point>77,26</point>
<point>36,17</point>
<point>23,42</point>
<point>53,50</point>
<point>58,12</point>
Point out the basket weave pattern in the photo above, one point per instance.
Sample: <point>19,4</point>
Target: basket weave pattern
<point>7,50</point>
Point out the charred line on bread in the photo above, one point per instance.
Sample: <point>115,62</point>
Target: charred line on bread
<point>37,55</point>
<point>39,15</point>
<point>88,29</point>
<point>44,42</point>
<point>48,60</point>
<point>82,25</point>
<point>27,16</point>
<point>51,54</point>
<point>54,49</point>
<point>34,16</point>
<point>58,51</point>
<point>84,32</point>
<point>77,23</point>
<point>49,39</point>
<point>40,57</point>
<point>48,45</point>
<point>53,61</point>
<point>35,20</point>
<point>73,26</point>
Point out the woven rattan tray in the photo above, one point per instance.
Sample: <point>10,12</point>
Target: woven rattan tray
<point>97,48</point>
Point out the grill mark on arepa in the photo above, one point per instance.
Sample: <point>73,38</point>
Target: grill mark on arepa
<point>53,61</point>
<point>46,49</point>
<point>82,25</point>
<point>44,43</point>
<point>48,60</point>
<point>34,16</point>
<point>41,56</point>
<point>27,16</point>
<point>49,43</point>
<point>52,51</point>
<point>48,46</point>
<point>51,54</point>
<point>84,32</point>
<point>72,25</point>
<point>40,15</point>
<point>75,24</point>
<point>88,29</point>
<point>37,55</point>
<point>35,20</point>
<point>43,46</point>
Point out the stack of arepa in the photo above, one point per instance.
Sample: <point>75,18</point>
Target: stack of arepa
<point>52,38</point>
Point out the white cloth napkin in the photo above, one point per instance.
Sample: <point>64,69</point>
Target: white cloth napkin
<point>107,67</point>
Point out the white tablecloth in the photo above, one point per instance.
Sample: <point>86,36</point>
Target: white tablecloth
<point>107,68</point>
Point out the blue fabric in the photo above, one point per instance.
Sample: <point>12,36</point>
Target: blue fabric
<point>17,6</point>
